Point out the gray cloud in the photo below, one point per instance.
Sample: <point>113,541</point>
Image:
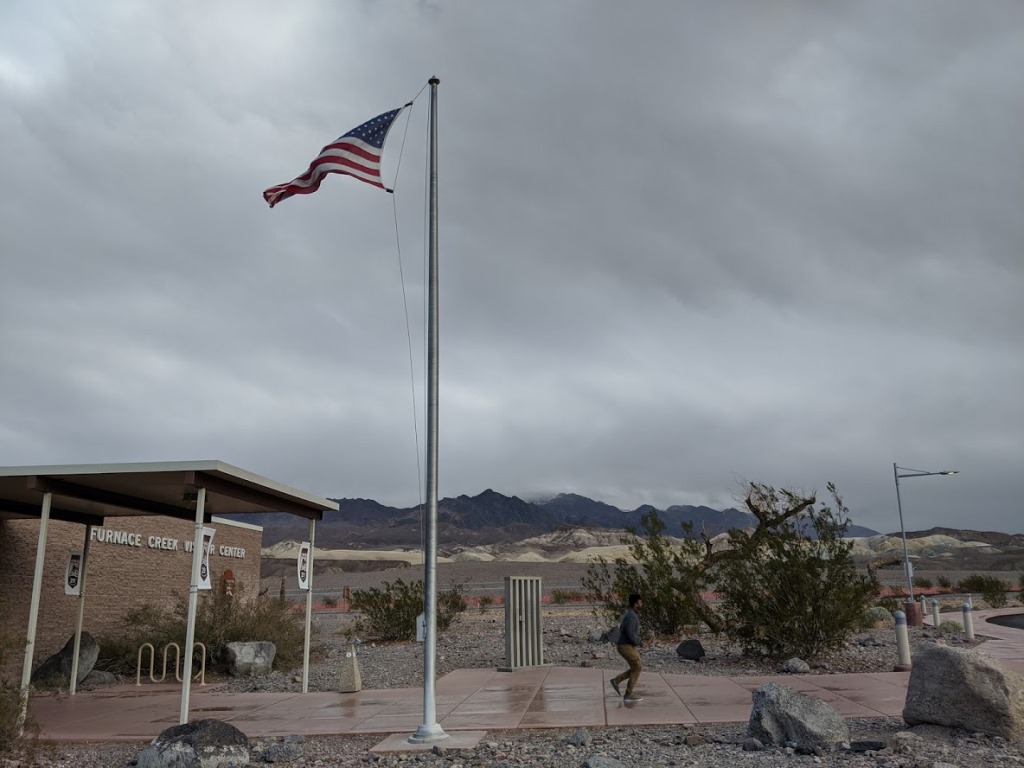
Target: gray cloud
<point>774,241</point>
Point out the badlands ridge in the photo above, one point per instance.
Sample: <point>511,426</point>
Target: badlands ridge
<point>582,545</point>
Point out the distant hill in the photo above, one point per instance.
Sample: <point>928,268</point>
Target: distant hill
<point>575,510</point>
<point>487,518</point>
<point>993,538</point>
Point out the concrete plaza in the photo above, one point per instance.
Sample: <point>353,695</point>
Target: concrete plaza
<point>472,701</point>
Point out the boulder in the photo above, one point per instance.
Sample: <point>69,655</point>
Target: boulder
<point>781,715</point>
<point>963,688</point>
<point>289,750</point>
<point>199,744</point>
<point>254,659</point>
<point>751,744</point>
<point>612,635</point>
<point>56,670</point>
<point>904,743</point>
<point>869,641</point>
<point>98,678</point>
<point>580,738</point>
<point>796,666</point>
<point>691,650</point>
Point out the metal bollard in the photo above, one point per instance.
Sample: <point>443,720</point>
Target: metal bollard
<point>935,612</point>
<point>349,679</point>
<point>924,606</point>
<point>902,643</point>
<point>968,622</point>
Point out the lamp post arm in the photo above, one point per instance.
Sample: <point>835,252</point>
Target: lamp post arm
<point>920,473</point>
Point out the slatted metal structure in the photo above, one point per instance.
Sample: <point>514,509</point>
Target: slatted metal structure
<point>524,646</point>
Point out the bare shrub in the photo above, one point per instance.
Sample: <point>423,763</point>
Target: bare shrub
<point>220,619</point>
<point>389,612</point>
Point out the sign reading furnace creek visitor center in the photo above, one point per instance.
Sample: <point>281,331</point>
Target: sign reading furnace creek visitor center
<point>127,539</point>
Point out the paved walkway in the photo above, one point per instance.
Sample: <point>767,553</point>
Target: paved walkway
<point>476,700</point>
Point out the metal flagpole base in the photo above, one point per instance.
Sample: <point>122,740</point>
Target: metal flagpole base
<point>427,734</point>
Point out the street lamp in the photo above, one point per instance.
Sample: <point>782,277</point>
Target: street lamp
<point>910,473</point>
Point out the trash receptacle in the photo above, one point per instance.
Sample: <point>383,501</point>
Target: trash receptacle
<point>915,618</point>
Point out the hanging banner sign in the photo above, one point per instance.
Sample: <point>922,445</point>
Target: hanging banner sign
<point>73,575</point>
<point>204,566</point>
<point>303,565</point>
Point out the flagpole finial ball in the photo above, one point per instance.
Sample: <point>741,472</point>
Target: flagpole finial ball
<point>434,80</point>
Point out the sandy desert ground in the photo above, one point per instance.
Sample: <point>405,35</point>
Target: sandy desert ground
<point>488,578</point>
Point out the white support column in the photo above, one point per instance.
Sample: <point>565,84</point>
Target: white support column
<point>33,610</point>
<point>81,610</point>
<point>193,599</point>
<point>309,607</point>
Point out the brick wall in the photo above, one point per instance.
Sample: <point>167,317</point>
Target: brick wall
<point>149,566</point>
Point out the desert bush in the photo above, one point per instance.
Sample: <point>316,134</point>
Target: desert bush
<point>922,582</point>
<point>220,619</point>
<point>330,601</point>
<point>485,601</point>
<point>944,582</point>
<point>787,587</point>
<point>9,711</point>
<point>450,604</point>
<point>561,596</point>
<point>949,627</point>
<point>890,604</point>
<point>389,612</point>
<point>993,590</point>
<point>9,703</point>
<point>795,590</point>
<point>665,577</point>
<point>876,616</point>
<point>15,732</point>
<point>119,653</point>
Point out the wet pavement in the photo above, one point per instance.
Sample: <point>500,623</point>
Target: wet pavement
<point>472,701</point>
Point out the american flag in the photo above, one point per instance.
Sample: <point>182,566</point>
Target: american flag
<point>357,153</point>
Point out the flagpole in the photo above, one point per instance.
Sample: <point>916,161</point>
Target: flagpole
<point>430,730</point>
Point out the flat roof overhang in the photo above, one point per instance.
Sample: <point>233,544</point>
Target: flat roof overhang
<point>89,493</point>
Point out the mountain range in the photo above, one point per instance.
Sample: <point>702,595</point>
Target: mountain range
<point>488,518</point>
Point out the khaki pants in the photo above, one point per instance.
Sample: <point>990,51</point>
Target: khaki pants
<point>632,657</point>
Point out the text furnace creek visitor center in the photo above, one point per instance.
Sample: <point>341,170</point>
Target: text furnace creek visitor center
<point>106,538</point>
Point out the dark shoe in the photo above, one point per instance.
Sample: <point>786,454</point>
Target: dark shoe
<point>615,687</point>
<point>633,699</point>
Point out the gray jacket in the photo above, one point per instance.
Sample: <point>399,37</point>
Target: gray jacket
<point>629,629</point>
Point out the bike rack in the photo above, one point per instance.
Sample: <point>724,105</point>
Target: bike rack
<point>200,675</point>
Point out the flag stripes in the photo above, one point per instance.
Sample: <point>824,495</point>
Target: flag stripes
<point>358,153</point>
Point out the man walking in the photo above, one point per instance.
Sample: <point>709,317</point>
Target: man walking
<point>629,646</point>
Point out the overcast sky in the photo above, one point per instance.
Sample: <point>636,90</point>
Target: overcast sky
<point>680,248</point>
